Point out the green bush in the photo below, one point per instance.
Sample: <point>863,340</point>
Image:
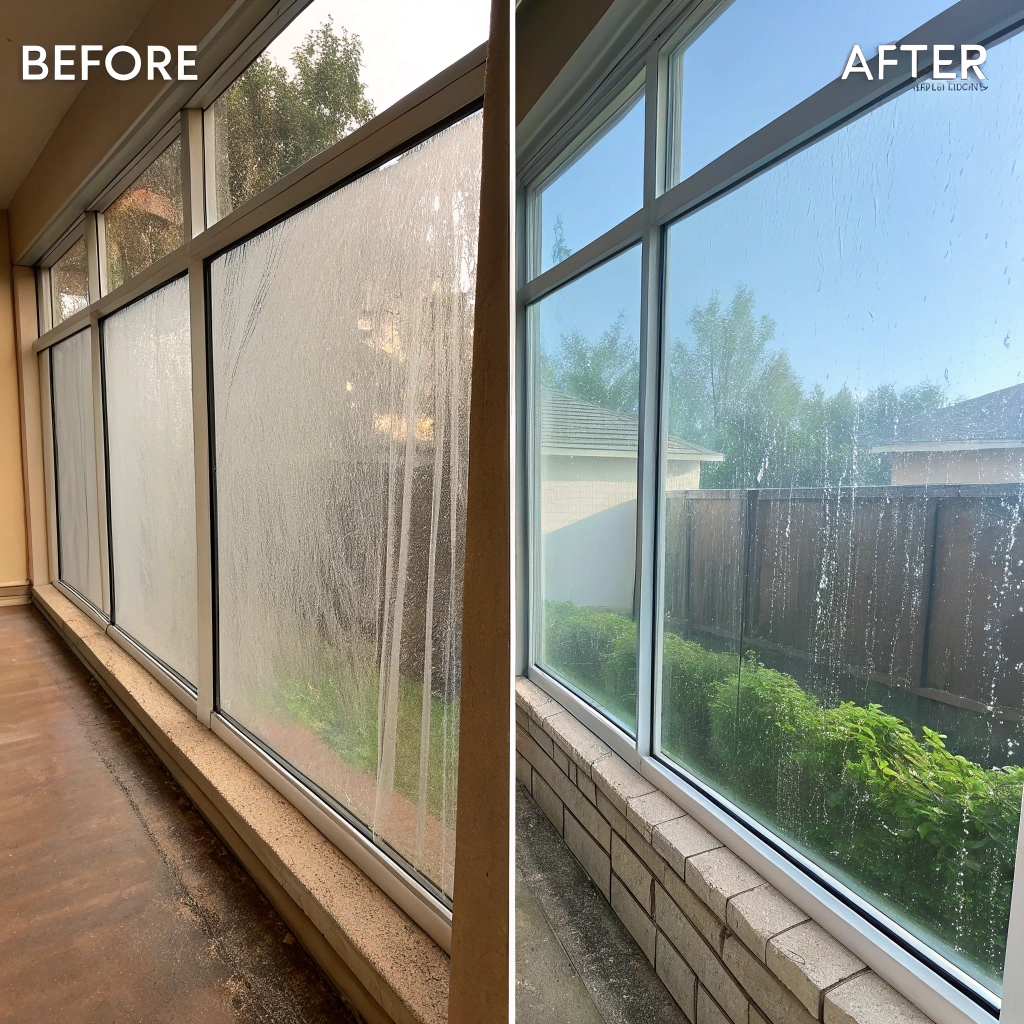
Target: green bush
<point>928,834</point>
<point>339,704</point>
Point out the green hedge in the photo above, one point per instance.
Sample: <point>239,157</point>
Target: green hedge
<point>927,833</point>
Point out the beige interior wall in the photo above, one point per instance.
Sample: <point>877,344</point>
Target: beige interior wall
<point>13,539</point>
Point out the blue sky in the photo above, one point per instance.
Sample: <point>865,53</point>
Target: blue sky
<point>893,251</point>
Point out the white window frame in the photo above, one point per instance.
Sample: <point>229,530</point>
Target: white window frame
<point>450,95</point>
<point>637,39</point>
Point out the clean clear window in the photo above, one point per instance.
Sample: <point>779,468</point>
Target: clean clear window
<point>330,71</point>
<point>69,283</point>
<point>837,588</point>
<point>600,184</point>
<point>145,222</point>
<point>586,442</point>
<point>725,84</point>
<point>147,359</point>
<point>342,341</point>
<point>74,452</point>
<point>844,647</point>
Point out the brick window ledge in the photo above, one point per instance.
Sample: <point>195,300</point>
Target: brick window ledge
<point>728,946</point>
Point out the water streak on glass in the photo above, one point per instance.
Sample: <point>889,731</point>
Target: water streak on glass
<point>145,222</point>
<point>147,353</point>
<point>74,441</point>
<point>331,70</point>
<point>586,339</point>
<point>600,185</point>
<point>843,588</point>
<point>342,345</point>
<point>69,283</point>
<point>726,82</point>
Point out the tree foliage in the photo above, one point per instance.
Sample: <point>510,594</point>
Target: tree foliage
<point>145,222</point>
<point>605,372</point>
<point>734,390</point>
<point>267,122</point>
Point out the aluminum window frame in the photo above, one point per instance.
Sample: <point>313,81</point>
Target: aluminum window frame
<point>444,99</point>
<point>947,993</point>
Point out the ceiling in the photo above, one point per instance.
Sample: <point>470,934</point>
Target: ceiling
<point>29,111</point>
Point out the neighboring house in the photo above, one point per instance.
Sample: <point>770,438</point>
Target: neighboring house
<point>980,441</point>
<point>588,497</point>
<point>589,456</point>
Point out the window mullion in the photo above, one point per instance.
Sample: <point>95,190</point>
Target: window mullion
<point>647,481</point>
<point>192,185</point>
<point>92,255</point>
<point>99,434</point>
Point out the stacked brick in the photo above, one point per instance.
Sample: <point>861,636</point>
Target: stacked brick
<point>729,947</point>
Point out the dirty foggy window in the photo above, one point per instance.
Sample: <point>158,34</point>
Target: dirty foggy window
<point>843,634</point>
<point>145,222</point>
<point>342,341</point>
<point>329,72</point>
<point>74,452</point>
<point>147,360</point>
<point>69,283</point>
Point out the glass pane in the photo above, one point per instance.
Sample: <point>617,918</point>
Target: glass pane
<point>69,283</point>
<point>601,185</point>
<point>147,352</point>
<point>145,222</point>
<point>716,104</point>
<point>74,443</point>
<point>342,340</point>
<point>334,67</point>
<point>586,338</point>
<point>867,412</point>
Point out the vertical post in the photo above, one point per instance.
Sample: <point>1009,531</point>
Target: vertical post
<point>933,568</point>
<point>192,191</point>
<point>43,296</point>
<point>207,167</point>
<point>192,206</point>
<point>93,254</point>
<point>647,440</point>
<point>26,319</point>
<point>482,924</point>
<point>49,464</point>
<point>14,572</point>
<point>102,490</point>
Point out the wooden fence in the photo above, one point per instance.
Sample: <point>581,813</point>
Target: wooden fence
<point>913,587</point>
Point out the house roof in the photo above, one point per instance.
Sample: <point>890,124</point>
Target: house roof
<point>995,420</point>
<point>571,424</point>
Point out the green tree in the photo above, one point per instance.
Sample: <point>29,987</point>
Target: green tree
<point>559,249</point>
<point>268,123</point>
<point>605,372</point>
<point>145,222</point>
<point>731,391</point>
